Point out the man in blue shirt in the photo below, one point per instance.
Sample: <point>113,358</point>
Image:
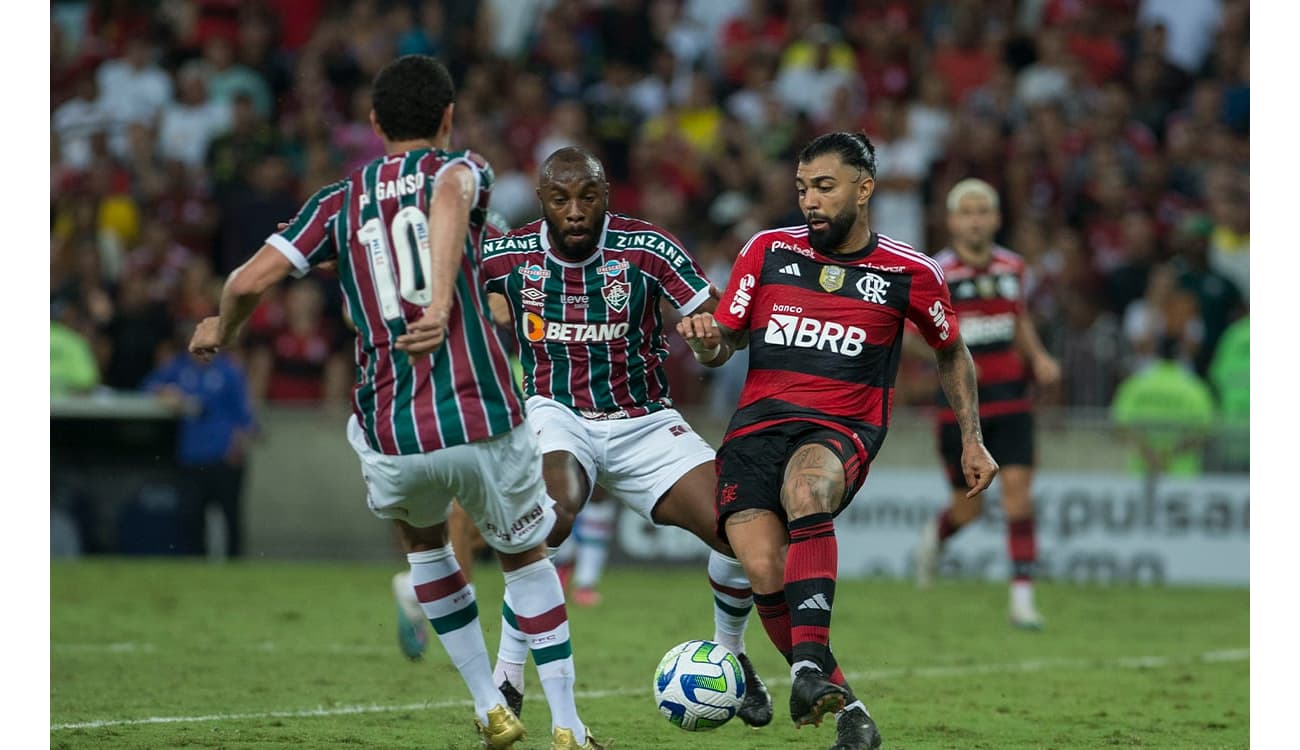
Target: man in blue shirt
<point>212,438</point>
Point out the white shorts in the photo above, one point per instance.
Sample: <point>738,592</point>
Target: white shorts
<point>637,459</point>
<point>497,481</point>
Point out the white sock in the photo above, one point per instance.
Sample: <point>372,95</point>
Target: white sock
<point>1022,594</point>
<point>512,651</point>
<point>592,533</point>
<point>732,601</point>
<point>538,604</point>
<point>448,602</point>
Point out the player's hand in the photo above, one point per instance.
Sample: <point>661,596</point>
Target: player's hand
<point>425,335</point>
<point>700,331</point>
<point>978,466</point>
<point>206,341</point>
<point>1046,370</point>
<point>714,292</point>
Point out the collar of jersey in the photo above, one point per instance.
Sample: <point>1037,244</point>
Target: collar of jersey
<point>600,246</point>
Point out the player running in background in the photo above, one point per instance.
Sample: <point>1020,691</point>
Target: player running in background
<point>584,286</point>
<point>822,308</point>
<point>986,283</point>
<point>435,412</point>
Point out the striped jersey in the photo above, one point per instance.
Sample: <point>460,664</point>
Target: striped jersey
<point>826,332</point>
<point>989,300</point>
<point>590,332</point>
<point>375,223</point>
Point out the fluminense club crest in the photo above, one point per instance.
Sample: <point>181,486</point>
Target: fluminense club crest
<point>616,294</point>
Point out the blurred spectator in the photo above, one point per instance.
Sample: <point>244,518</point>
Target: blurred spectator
<point>356,140</point>
<point>961,57</point>
<point>1167,412</point>
<point>1189,28</point>
<point>215,427</point>
<point>140,324</point>
<point>189,125</point>
<point>251,214</point>
<point>248,140</point>
<point>72,361</point>
<point>813,69</point>
<point>133,88</point>
<point>1165,315</point>
<point>758,31</point>
<point>295,356</point>
<point>1229,199</point>
<point>1219,300</point>
<point>1230,377</point>
<point>901,167</point>
<point>77,121</point>
<point>227,77</point>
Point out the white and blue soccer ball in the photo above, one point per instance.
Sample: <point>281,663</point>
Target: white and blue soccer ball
<point>699,685</point>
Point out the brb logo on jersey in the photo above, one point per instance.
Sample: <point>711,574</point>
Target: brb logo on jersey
<point>811,333</point>
<point>741,302</point>
<point>873,288</point>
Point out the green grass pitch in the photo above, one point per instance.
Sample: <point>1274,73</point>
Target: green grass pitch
<point>164,654</point>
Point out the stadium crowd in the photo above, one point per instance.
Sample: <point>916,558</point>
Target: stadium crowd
<point>1115,131</point>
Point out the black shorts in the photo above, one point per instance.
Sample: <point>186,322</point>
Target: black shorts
<point>1009,438</point>
<point>751,467</point>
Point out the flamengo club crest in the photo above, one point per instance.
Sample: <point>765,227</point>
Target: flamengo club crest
<point>616,294</point>
<point>832,278</point>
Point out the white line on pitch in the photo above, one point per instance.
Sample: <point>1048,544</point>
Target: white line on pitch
<point>1032,665</point>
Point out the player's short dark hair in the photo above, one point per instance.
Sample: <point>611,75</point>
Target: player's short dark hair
<point>854,149</point>
<point>409,97</point>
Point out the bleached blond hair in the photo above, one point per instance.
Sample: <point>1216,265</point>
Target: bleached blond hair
<point>971,186</point>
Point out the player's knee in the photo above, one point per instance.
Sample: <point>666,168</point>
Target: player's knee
<point>805,496</point>
<point>766,572</point>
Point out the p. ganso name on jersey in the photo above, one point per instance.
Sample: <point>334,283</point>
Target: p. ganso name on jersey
<point>375,222</point>
<point>575,321</point>
<point>989,300</point>
<point>825,332</point>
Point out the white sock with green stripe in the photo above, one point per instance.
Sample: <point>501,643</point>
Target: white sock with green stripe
<point>448,602</point>
<point>512,651</point>
<point>732,601</point>
<point>538,604</point>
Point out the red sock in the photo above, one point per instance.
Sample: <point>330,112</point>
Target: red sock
<point>810,571</point>
<point>947,527</point>
<point>775,615</point>
<point>1022,548</point>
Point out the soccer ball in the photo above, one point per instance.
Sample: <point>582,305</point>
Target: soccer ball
<point>699,685</point>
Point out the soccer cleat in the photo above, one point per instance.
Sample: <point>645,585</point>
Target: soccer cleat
<point>856,730</point>
<point>514,698</point>
<point>412,632</point>
<point>756,709</point>
<point>812,696</point>
<point>586,597</point>
<point>563,739</point>
<point>926,555</point>
<point>1026,617</point>
<point>503,729</point>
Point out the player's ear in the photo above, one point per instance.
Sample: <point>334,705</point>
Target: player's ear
<point>444,127</point>
<point>865,189</point>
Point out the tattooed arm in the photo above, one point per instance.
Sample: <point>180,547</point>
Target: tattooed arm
<point>957,376</point>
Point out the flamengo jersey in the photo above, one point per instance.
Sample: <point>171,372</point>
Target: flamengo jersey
<point>988,301</point>
<point>825,332</point>
<point>590,333</point>
<point>375,223</point>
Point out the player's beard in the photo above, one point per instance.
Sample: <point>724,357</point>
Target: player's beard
<point>826,239</point>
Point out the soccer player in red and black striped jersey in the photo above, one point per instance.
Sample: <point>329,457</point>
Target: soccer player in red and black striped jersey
<point>986,283</point>
<point>584,286</point>
<point>821,308</point>
<point>436,413</point>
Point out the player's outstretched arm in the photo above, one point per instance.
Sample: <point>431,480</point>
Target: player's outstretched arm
<point>957,376</point>
<point>453,195</point>
<point>710,341</point>
<point>1044,366</point>
<point>239,297</point>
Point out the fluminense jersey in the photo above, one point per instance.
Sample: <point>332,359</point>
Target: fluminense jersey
<point>988,301</point>
<point>375,222</point>
<point>590,333</point>
<point>826,332</point>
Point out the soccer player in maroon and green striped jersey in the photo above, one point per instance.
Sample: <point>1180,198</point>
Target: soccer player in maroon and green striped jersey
<point>436,414</point>
<point>584,286</point>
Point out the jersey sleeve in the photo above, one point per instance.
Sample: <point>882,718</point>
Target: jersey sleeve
<point>680,276</point>
<point>930,306</point>
<point>309,239</point>
<point>736,305</point>
<point>484,180</point>
<point>496,266</point>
